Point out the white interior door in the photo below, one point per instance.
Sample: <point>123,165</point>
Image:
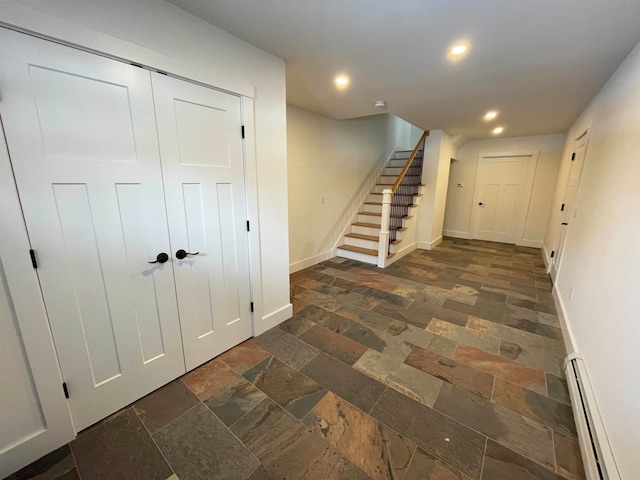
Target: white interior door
<point>202,163</point>
<point>568,203</point>
<point>502,194</point>
<point>82,138</point>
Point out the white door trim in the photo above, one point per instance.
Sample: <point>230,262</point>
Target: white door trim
<point>528,183</point>
<point>555,263</point>
<point>33,327</point>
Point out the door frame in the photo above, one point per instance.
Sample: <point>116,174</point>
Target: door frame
<point>33,326</point>
<point>531,169</point>
<point>555,262</point>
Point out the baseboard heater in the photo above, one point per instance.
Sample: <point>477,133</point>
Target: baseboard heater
<point>599,463</point>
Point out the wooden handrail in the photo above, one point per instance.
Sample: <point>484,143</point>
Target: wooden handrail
<point>409,161</point>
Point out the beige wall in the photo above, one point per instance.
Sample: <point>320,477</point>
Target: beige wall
<point>457,221</point>
<point>336,161</point>
<point>599,277</point>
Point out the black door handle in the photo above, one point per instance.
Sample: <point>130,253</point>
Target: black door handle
<point>161,258</point>
<point>180,254</point>
<point>481,204</point>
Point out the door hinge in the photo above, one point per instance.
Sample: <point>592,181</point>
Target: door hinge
<point>573,156</point>
<point>65,389</point>
<point>553,252</point>
<point>252,306</point>
<point>242,130</point>
<point>34,262</point>
<point>136,65</point>
<point>564,223</point>
<point>248,226</point>
<point>562,208</point>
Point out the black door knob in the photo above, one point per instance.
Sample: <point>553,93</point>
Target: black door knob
<point>161,258</point>
<point>180,254</point>
<point>481,204</point>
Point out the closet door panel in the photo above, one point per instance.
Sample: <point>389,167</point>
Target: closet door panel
<point>203,168</point>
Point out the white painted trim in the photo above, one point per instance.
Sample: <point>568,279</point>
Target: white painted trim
<point>33,328</point>
<point>364,192</point>
<point>310,261</point>
<point>529,243</point>
<point>523,153</point>
<point>565,325</point>
<point>357,256</point>
<point>274,318</point>
<point>253,213</point>
<point>554,265</point>
<point>430,245</point>
<point>399,254</point>
<point>34,22</point>
<point>457,234</point>
<point>546,256</point>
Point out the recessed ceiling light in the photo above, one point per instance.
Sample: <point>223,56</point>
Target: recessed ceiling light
<point>342,81</point>
<point>497,130</point>
<point>459,49</point>
<point>490,115</point>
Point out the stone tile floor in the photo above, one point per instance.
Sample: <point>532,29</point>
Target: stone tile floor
<point>445,365</point>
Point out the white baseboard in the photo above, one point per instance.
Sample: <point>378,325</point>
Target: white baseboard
<point>309,262</point>
<point>273,319</point>
<point>429,245</point>
<point>529,243</point>
<point>457,234</point>
<point>546,257</point>
<point>400,253</point>
<point>565,325</point>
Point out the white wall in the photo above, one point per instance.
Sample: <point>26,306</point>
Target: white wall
<point>337,161</point>
<point>156,33</point>
<point>457,221</point>
<point>438,151</point>
<point>601,261</point>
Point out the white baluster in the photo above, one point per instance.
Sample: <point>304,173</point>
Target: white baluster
<point>383,243</point>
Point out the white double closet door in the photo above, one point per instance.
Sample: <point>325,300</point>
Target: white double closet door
<point>114,165</point>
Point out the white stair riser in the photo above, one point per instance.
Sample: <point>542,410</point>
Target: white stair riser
<point>405,156</point>
<point>357,256</point>
<point>379,188</point>
<point>372,208</point>
<point>395,171</point>
<point>361,242</point>
<point>365,230</point>
<point>369,218</point>
<point>397,163</point>
<point>387,178</point>
<point>374,198</point>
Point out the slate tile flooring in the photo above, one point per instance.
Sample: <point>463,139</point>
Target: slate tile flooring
<point>445,365</point>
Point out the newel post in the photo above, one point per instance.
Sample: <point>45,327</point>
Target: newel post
<point>383,243</point>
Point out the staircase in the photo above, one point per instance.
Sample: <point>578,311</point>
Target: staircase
<point>372,226</point>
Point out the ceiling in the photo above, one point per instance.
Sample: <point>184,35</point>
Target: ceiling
<point>537,62</point>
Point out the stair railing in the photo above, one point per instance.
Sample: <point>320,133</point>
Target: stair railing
<point>396,200</point>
